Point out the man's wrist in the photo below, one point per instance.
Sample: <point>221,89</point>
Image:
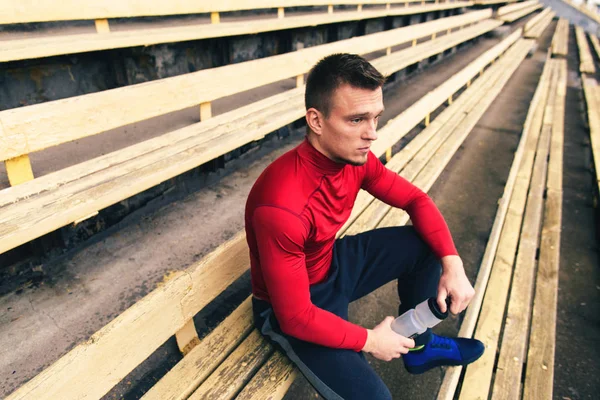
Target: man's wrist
<point>452,262</point>
<point>367,348</point>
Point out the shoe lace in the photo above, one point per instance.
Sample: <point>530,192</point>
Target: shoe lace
<point>441,342</point>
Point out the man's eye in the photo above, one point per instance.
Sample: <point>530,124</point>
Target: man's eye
<point>356,120</point>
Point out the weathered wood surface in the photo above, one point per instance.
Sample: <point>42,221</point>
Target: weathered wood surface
<point>29,129</point>
<point>122,174</point>
<point>23,49</point>
<point>539,376</point>
<point>586,61</point>
<point>48,10</point>
<point>478,376</point>
<point>560,41</point>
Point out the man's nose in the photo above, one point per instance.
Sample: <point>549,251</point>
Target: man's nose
<point>371,132</point>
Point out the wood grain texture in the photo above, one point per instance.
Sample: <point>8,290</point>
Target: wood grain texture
<point>513,347</point>
<point>515,15</point>
<point>271,381</point>
<point>185,377</point>
<point>92,368</point>
<point>591,92</point>
<point>12,12</point>
<point>516,7</point>
<point>21,221</point>
<point>451,377</point>
<point>595,44</point>
<point>476,383</point>
<point>234,372</point>
<point>586,61</point>
<point>560,41</point>
<point>23,49</point>
<point>33,128</point>
<point>540,359</point>
<point>536,29</point>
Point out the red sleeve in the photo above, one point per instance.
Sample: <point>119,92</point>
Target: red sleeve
<point>280,236</point>
<point>396,191</point>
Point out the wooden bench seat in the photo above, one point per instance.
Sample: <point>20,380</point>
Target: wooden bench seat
<point>560,40</point>
<point>591,92</point>
<point>28,48</point>
<point>538,24</point>
<point>492,2</point>
<point>586,61</point>
<point>595,44</point>
<point>528,220</point>
<point>77,192</point>
<point>220,365</point>
<point>513,12</point>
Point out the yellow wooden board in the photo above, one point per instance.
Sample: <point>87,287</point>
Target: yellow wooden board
<point>452,374</point>
<point>513,16</point>
<point>12,12</point>
<point>36,127</point>
<point>119,175</point>
<point>516,7</point>
<point>540,359</point>
<point>586,61</point>
<point>23,49</point>
<point>185,377</point>
<point>560,41</point>
<point>478,376</point>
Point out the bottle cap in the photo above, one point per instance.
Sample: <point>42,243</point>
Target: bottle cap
<point>435,308</point>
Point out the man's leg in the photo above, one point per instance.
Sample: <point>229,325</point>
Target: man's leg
<point>372,259</point>
<point>334,373</point>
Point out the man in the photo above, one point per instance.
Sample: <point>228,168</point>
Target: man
<point>303,278</point>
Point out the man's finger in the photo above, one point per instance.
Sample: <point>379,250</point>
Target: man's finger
<point>441,300</point>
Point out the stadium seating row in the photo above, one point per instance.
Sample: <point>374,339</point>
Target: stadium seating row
<point>225,362</point>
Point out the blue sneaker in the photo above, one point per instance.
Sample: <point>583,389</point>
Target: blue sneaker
<point>441,350</point>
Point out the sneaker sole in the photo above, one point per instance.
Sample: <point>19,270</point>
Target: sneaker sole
<point>419,369</point>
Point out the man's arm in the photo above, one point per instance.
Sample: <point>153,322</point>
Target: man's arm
<point>428,221</point>
<point>280,236</point>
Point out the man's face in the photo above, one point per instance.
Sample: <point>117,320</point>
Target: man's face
<point>350,128</point>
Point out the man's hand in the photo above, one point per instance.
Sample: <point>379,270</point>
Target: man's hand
<point>385,344</point>
<point>454,284</point>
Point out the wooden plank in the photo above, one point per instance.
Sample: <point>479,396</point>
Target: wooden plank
<point>586,62</point>
<point>185,377</point>
<point>102,26</point>
<point>560,41</point>
<point>17,224</point>
<point>516,7</point>
<point>187,337</point>
<point>513,348</point>
<point>540,359</point>
<point>23,49</point>
<point>49,10</point>
<point>33,128</point>
<point>595,44</point>
<point>271,381</point>
<point>233,373</point>
<point>592,99</point>
<point>513,16</point>
<point>19,170</point>
<point>539,28</point>
<point>476,383</point>
<point>92,368</point>
<point>452,374</point>
<point>537,19</point>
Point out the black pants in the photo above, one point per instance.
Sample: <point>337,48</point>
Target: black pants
<point>360,264</point>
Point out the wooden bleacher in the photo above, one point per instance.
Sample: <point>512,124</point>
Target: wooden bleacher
<point>586,61</point>
<point>528,218</point>
<point>233,359</point>
<point>560,41</point>
<point>513,12</point>
<point>80,191</point>
<point>105,39</point>
<point>536,25</point>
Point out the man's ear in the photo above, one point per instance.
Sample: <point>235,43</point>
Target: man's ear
<point>314,119</point>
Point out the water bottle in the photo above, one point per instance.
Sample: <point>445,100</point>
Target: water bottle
<point>416,321</point>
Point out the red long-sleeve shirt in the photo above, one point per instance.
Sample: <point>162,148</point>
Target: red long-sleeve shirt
<point>293,213</point>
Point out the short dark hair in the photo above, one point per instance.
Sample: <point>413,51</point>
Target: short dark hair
<point>335,70</point>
